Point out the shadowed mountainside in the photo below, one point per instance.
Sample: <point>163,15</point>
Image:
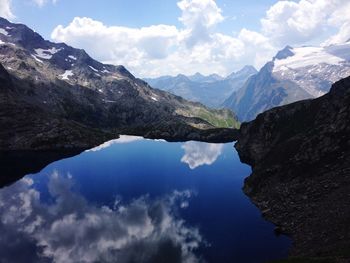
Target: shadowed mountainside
<point>53,96</point>
<point>300,155</point>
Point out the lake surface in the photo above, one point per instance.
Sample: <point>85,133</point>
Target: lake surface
<point>137,200</point>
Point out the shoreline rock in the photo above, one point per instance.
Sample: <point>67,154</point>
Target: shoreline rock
<point>300,158</point>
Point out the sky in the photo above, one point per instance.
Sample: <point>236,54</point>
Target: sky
<point>168,37</point>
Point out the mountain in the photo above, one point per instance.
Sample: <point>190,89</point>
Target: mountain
<point>210,90</point>
<point>243,74</point>
<point>294,74</point>
<point>55,96</point>
<point>201,78</point>
<point>300,158</point>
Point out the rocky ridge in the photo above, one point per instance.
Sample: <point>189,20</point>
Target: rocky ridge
<point>300,157</point>
<point>54,96</point>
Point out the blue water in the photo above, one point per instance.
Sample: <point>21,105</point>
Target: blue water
<point>136,200</point>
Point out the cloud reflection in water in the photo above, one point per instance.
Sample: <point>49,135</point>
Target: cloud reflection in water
<point>121,140</point>
<point>69,229</point>
<point>200,153</point>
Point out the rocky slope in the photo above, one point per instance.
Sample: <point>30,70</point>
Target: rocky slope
<point>54,96</point>
<point>293,74</point>
<point>300,155</point>
<point>210,90</point>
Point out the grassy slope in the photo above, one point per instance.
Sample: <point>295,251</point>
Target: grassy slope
<point>218,120</point>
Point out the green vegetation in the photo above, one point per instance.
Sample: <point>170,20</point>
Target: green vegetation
<point>220,119</point>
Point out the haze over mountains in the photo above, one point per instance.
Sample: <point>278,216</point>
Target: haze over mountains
<point>293,74</point>
<point>56,96</point>
<point>210,90</point>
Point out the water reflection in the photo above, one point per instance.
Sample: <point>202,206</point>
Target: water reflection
<point>14,165</point>
<point>121,140</point>
<point>67,228</point>
<point>48,217</point>
<point>199,153</point>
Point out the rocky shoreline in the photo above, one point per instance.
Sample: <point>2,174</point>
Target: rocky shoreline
<point>300,157</point>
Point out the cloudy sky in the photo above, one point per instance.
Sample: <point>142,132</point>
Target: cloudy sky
<point>168,37</point>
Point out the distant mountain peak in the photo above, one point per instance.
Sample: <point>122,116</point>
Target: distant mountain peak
<point>293,74</point>
<point>284,53</point>
<point>182,77</point>
<point>247,70</point>
<point>197,75</point>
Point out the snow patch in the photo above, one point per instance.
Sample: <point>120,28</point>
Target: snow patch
<point>93,69</point>
<point>37,59</point>
<point>117,77</point>
<point>4,32</point>
<point>154,98</point>
<point>6,43</point>
<point>109,101</point>
<point>46,53</point>
<point>67,74</point>
<point>72,57</point>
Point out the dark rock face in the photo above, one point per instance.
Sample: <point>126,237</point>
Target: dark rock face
<point>262,92</point>
<point>16,164</point>
<point>300,155</point>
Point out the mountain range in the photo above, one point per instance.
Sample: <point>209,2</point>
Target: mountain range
<point>293,74</point>
<point>210,90</point>
<point>56,96</point>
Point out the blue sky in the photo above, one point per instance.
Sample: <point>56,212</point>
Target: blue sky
<point>133,13</point>
<point>169,37</point>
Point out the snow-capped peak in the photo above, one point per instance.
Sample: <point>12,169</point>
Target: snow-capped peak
<point>313,69</point>
<point>306,56</point>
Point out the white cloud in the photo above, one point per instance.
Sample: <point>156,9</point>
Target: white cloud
<point>342,36</point>
<point>198,47</point>
<point>199,17</point>
<point>290,22</point>
<point>5,9</point>
<point>132,47</point>
<point>258,47</point>
<point>41,3</point>
<point>199,153</point>
<point>162,49</point>
<point>69,229</point>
